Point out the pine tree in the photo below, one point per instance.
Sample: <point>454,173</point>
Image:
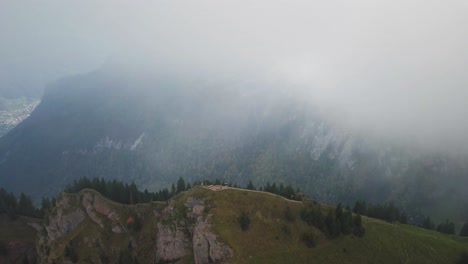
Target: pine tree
<point>428,224</point>
<point>464,230</point>
<point>358,229</point>
<point>180,185</point>
<point>244,221</point>
<point>250,185</point>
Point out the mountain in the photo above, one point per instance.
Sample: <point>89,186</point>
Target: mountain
<point>154,128</point>
<point>202,225</point>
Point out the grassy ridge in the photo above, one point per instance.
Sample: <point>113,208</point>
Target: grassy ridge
<point>273,239</point>
<point>18,229</point>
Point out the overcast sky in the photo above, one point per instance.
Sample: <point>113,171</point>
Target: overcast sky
<point>399,66</point>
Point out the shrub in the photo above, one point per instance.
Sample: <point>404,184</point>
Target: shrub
<point>309,239</point>
<point>358,229</point>
<point>244,221</point>
<point>464,230</point>
<point>70,252</point>
<point>134,223</point>
<point>286,229</point>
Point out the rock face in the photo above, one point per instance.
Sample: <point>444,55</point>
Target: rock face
<point>169,234</point>
<point>64,222</point>
<point>174,241</point>
<point>70,212</point>
<point>171,244</point>
<point>206,247</point>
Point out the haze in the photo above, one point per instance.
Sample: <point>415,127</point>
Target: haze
<point>393,67</point>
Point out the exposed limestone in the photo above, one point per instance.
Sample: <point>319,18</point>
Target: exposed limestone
<point>178,236</point>
<point>87,203</point>
<point>101,206</point>
<point>117,230</point>
<point>62,224</point>
<point>171,244</point>
<point>113,216</point>
<point>206,247</point>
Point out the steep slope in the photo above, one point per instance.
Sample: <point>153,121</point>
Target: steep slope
<point>155,129</point>
<point>18,239</point>
<point>201,226</point>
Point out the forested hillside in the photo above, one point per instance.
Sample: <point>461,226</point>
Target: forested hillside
<point>153,130</point>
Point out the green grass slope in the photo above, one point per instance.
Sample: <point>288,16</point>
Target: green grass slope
<point>271,238</point>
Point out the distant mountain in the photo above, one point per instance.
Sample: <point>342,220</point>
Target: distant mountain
<point>155,129</point>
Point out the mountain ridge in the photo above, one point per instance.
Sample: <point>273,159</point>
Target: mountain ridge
<point>201,225</point>
<point>153,130</point>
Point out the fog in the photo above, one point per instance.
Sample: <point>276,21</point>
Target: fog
<point>396,68</point>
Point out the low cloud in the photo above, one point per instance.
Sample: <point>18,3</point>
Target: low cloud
<point>397,68</point>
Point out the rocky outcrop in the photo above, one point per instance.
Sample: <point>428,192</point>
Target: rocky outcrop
<point>63,222</point>
<point>94,205</point>
<point>172,244</point>
<point>206,246</point>
<point>174,241</point>
<point>88,205</point>
<point>177,231</point>
<point>101,206</point>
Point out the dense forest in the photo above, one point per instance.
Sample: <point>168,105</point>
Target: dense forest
<point>12,206</point>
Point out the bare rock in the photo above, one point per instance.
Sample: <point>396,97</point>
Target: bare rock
<point>62,224</point>
<point>113,216</point>
<point>117,230</point>
<point>101,206</point>
<point>171,244</point>
<point>88,204</point>
<point>206,247</point>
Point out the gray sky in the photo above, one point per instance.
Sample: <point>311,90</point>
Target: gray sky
<point>394,66</point>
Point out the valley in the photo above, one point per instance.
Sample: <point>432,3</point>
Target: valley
<point>14,111</point>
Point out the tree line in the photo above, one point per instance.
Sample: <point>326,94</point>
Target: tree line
<point>22,205</point>
<point>125,193</point>
<point>387,211</point>
<point>341,221</point>
<point>287,191</point>
<point>446,227</point>
<point>335,222</point>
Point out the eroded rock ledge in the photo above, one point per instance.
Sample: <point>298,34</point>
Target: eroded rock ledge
<point>174,231</point>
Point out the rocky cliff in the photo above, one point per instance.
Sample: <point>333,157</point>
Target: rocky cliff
<point>89,228</point>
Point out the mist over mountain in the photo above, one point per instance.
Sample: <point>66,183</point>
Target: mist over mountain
<point>155,128</point>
